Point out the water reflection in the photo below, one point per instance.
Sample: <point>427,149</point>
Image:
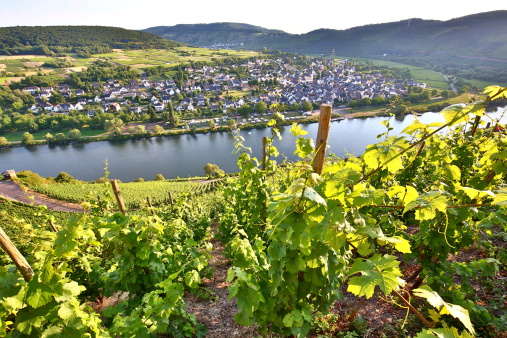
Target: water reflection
<point>186,155</point>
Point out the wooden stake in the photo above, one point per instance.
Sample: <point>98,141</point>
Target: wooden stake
<point>476,124</point>
<point>149,204</point>
<point>171,200</point>
<point>117,193</point>
<point>264,155</point>
<point>322,138</point>
<point>99,201</point>
<point>16,256</point>
<point>53,226</point>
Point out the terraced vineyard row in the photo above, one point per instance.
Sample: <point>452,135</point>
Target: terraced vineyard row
<point>134,193</point>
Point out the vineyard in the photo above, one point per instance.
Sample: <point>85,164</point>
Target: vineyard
<point>418,223</point>
<point>134,193</point>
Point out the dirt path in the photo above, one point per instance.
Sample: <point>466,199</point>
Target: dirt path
<point>216,311</point>
<point>12,191</point>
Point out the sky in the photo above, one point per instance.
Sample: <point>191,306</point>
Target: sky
<point>296,16</point>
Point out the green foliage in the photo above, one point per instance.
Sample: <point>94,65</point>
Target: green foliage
<point>213,170</point>
<point>152,258</point>
<point>295,236</point>
<point>64,177</point>
<point>30,178</point>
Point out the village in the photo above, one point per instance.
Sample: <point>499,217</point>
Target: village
<point>266,86</point>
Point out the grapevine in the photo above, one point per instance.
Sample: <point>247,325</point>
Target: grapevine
<point>349,225</point>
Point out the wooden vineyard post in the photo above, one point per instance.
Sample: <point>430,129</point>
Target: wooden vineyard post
<point>476,124</point>
<point>16,256</point>
<point>322,138</point>
<point>117,193</point>
<point>264,155</point>
<point>171,200</point>
<point>150,205</point>
<point>53,226</point>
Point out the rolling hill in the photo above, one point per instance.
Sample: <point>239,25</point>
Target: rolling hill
<point>478,35</point>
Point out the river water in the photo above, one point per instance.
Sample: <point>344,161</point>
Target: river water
<point>186,155</point>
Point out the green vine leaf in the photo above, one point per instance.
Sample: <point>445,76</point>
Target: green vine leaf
<point>450,332</point>
<point>495,90</point>
<point>381,271</point>
<point>406,194</point>
<point>38,294</point>
<point>500,198</point>
<point>386,153</point>
<point>304,147</point>
<point>427,205</point>
<point>478,194</point>
<point>454,310</point>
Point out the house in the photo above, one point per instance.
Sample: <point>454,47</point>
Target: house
<point>62,88</point>
<point>47,106</point>
<point>34,108</point>
<point>159,106</point>
<point>78,106</point>
<point>9,174</point>
<point>64,108</point>
<point>136,109</point>
<point>80,92</point>
<point>115,106</point>
<point>32,89</point>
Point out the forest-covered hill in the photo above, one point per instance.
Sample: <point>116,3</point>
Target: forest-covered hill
<point>49,40</point>
<point>478,35</point>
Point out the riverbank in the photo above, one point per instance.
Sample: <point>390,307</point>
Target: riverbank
<point>148,128</point>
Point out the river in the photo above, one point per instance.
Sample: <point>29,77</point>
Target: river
<point>186,155</point>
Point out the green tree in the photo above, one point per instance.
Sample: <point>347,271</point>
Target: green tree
<point>3,142</point>
<point>116,132</point>
<point>64,177</point>
<point>213,170</point>
<point>113,124</point>
<point>17,105</point>
<point>172,118</point>
<point>245,110</point>
<point>27,139</point>
<point>159,177</point>
<point>261,107</point>
<point>49,138</point>
<point>231,123</point>
<point>74,134</point>
<point>152,113</point>
<point>60,138</point>
<point>141,129</point>
<point>158,129</point>
<point>307,106</point>
<point>56,98</point>
<point>212,124</point>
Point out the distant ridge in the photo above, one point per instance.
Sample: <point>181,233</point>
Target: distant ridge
<point>477,35</point>
<point>215,33</point>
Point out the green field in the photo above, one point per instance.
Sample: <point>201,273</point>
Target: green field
<point>431,78</point>
<point>17,136</point>
<point>32,64</point>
